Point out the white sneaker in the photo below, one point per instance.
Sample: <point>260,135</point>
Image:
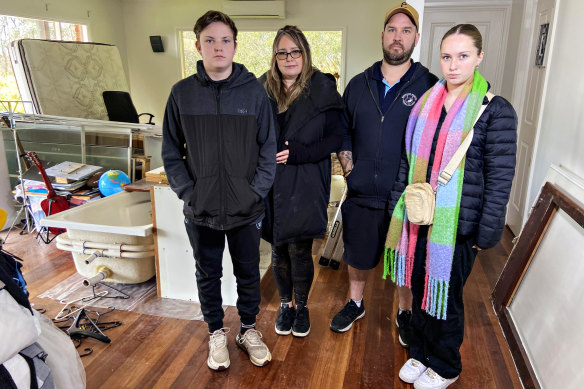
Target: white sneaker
<point>411,370</point>
<point>218,353</point>
<point>432,380</point>
<point>251,343</point>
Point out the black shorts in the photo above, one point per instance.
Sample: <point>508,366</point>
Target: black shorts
<point>364,233</point>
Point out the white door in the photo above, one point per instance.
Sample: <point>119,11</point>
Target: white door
<point>492,22</point>
<point>529,117</point>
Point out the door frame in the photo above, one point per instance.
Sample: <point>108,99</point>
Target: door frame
<point>526,45</point>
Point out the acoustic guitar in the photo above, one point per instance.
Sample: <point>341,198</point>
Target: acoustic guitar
<point>53,203</point>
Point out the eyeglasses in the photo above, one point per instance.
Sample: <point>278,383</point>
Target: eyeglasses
<point>282,55</point>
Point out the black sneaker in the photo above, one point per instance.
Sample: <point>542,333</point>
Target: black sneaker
<point>301,326</point>
<point>344,320</point>
<point>285,319</point>
<point>403,324</point>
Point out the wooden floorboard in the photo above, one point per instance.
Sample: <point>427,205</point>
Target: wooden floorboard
<point>157,352</point>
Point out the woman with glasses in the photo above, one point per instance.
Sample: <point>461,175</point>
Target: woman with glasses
<point>308,107</point>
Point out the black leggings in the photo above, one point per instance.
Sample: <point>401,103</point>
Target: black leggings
<point>293,270</point>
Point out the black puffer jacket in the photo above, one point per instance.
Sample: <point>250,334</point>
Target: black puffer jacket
<point>488,174</point>
<point>297,203</point>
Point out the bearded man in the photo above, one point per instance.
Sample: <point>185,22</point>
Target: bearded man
<point>378,104</point>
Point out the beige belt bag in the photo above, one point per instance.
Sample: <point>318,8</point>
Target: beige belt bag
<point>420,198</point>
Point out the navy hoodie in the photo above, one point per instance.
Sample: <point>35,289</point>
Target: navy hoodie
<point>374,137</point>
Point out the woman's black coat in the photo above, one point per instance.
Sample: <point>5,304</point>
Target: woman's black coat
<point>296,206</point>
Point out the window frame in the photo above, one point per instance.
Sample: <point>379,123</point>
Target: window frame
<point>43,25</point>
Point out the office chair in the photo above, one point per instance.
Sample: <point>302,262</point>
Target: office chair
<point>120,107</point>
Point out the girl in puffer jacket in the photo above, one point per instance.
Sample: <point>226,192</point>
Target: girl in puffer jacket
<point>435,261</point>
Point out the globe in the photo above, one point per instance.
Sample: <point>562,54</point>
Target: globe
<point>112,182</point>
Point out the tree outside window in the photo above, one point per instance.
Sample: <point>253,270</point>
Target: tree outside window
<point>254,50</point>
<point>14,28</point>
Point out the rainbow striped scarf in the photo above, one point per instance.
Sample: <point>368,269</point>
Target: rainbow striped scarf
<point>400,244</point>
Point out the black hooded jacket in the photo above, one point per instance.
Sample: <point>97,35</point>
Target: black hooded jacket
<point>296,207</point>
<point>219,148</point>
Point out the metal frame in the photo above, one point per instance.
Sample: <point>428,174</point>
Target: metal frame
<point>83,126</point>
<point>11,105</point>
<point>20,121</point>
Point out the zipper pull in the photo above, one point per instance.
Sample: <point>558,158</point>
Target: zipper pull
<point>382,117</point>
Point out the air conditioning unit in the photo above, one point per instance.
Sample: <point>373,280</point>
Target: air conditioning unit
<point>255,9</point>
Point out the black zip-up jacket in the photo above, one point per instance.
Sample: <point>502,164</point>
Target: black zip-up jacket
<point>374,137</point>
<point>219,148</point>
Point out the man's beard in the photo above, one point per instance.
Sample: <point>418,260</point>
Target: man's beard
<point>397,59</point>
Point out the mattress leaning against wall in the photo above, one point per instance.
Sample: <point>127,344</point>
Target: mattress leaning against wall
<point>67,78</point>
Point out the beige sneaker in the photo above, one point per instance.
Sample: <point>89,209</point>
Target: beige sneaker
<point>251,343</point>
<point>218,353</point>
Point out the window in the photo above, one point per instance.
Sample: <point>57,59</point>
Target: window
<point>13,28</point>
<point>254,50</point>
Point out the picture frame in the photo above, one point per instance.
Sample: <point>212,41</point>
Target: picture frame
<point>541,44</point>
<point>552,204</point>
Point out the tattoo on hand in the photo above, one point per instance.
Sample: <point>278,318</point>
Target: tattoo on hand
<point>346,160</point>
<point>345,156</point>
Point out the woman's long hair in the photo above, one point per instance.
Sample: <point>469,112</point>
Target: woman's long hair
<point>274,84</point>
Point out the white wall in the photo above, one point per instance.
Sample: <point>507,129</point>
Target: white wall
<point>153,74</point>
<point>561,136</point>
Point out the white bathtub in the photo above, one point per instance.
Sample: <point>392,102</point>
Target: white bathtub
<point>121,222</point>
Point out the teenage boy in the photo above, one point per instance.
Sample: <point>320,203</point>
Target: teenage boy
<point>378,104</point>
<point>219,154</point>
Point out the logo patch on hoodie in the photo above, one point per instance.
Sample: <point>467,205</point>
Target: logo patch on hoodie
<point>409,99</point>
